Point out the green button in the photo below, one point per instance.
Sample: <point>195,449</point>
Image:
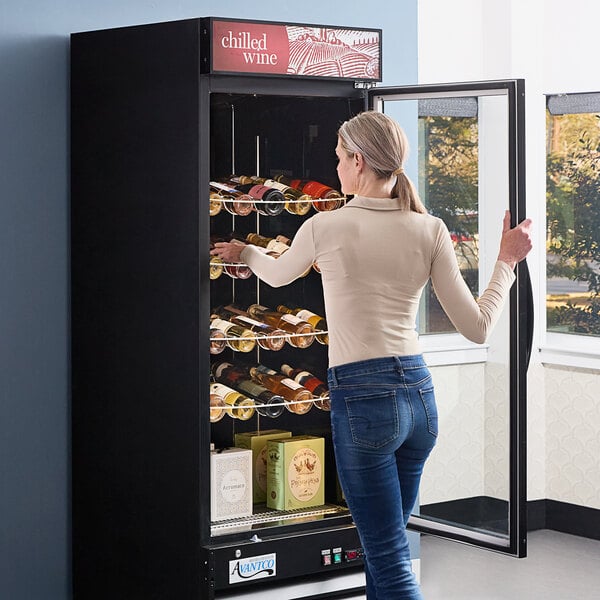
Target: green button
<point>337,558</point>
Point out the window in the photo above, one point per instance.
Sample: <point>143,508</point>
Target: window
<point>448,185</point>
<point>573,214</point>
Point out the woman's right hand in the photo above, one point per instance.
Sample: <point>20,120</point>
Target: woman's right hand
<point>516,242</point>
<point>229,252</point>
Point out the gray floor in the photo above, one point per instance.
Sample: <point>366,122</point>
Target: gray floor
<point>558,567</point>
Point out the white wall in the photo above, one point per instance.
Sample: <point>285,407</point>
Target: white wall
<point>553,46</point>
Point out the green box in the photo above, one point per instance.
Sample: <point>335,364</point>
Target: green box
<point>295,472</point>
<point>257,442</point>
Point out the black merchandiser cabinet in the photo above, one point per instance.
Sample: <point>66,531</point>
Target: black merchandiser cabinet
<point>152,124</point>
<point>158,112</point>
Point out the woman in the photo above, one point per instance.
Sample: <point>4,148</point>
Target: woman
<point>376,255</point>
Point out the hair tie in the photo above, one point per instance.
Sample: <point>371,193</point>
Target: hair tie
<point>398,171</point>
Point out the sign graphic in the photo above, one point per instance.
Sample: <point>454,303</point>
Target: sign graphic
<point>297,50</point>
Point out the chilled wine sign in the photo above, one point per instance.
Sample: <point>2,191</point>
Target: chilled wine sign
<point>297,50</point>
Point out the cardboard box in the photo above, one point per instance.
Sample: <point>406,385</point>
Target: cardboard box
<point>257,442</point>
<point>230,483</point>
<point>295,472</point>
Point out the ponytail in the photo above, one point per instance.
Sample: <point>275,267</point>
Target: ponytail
<point>405,191</point>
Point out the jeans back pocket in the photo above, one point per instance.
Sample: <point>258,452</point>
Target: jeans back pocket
<point>373,418</point>
<point>428,399</point>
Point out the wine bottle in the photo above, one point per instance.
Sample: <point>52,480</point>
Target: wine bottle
<point>267,200</point>
<point>238,271</point>
<point>267,403</point>
<point>267,337</point>
<point>274,246</point>
<point>217,408</point>
<point>217,341</point>
<point>271,244</point>
<point>300,399</point>
<point>311,383</point>
<point>237,405</point>
<point>216,267</point>
<point>215,203</point>
<point>324,197</point>
<point>238,338</point>
<point>301,332</point>
<point>235,271</point>
<point>319,323</point>
<point>296,202</point>
<point>235,202</point>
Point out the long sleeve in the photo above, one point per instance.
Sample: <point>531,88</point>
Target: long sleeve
<point>473,318</point>
<point>290,265</point>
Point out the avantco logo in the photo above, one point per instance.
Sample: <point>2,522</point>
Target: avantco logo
<point>253,567</point>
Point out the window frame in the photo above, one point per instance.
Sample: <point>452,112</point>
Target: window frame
<point>566,349</point>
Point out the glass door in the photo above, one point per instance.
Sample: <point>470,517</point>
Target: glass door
<point>467,160</point>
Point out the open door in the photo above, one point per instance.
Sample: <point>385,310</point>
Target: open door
<point>467,159</point>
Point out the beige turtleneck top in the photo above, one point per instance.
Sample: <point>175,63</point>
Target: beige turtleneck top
<point>375,259</point>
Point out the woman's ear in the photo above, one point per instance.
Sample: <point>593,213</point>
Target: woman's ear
<point>358,160</point>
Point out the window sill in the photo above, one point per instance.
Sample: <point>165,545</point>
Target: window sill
<point>570,350</point>
<point>569,358</point>
<point>451,349</point>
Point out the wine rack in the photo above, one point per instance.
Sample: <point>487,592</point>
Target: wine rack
<point>228,198</point>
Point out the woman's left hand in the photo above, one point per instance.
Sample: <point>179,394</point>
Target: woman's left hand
<point>228,252</point>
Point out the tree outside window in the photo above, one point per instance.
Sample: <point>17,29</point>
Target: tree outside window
<point>448,183</point>
<point>573,223</point>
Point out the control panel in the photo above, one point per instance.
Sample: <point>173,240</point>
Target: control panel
<point>336,556</point>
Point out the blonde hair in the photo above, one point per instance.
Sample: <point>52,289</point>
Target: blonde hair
<point>384,147</point>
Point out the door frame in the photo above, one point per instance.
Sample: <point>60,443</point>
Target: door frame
<point>521,312</point>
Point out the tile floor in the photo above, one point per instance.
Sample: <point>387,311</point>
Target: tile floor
<point>558,567</point>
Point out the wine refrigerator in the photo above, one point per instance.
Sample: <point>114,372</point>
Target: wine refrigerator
<point>203,464</point>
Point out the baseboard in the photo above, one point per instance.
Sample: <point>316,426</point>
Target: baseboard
<point>485,512</point>
<point>564,517</point>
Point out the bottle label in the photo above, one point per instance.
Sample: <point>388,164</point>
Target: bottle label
<point>224,188</point>
<point>221,324</point>
<point>258,191</point>
<point>293,319</point>
<point>312,383</point>
<point>277,246</point>
<point>317,190</point>
<point>290,383</point>
<point>275,184</point>
<point>220,390</point>
<point>252,322</point>
<point>258,308</point>
<point>305,314</point>
<point>252,388</point>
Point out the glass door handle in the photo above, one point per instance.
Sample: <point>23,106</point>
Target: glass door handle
<point>527,307</point>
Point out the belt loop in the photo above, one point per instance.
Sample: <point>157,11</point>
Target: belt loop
<point>332,376</point>
<point>399,365</point>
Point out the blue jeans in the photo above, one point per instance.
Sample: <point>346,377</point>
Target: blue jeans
<point>384,425</point>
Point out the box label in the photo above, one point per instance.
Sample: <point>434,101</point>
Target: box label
<point>304,474</point>
<point>253,567</point>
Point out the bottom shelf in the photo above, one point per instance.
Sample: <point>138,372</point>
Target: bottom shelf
<point>268,517</point>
